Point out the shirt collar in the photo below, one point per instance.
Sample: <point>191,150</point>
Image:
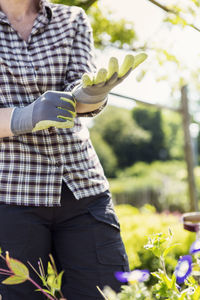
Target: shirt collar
<point>45,8</point>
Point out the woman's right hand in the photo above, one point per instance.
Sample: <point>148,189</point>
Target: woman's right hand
<point>50,109</point>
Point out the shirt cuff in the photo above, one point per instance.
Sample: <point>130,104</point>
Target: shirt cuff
<point>93,113</point>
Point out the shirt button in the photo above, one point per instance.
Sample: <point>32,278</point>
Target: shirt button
<point>58,164</point>
<point>36,68</point>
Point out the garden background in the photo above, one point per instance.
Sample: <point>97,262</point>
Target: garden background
<point>140,146</point>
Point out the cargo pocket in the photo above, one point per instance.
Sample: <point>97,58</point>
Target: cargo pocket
<point>110,249</point>
<point>113,254</point>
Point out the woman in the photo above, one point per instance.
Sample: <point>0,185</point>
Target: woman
<point>54,197</point>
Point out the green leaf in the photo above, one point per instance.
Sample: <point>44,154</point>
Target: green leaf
<point>166,280</point>
<point>18,268</point>
<point>50,269</point>
<point>183,295</point>
<point>51,280</point>
<point>59,280</point>
<point>14,279</point>
<point>45,290</point>
<point>55,281</point>
<point>156,274</point>
<point>173,283</point>
<point>196,294</point>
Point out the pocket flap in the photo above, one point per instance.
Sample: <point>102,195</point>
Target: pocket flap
<point>103,211</point>
<point>113,254</point>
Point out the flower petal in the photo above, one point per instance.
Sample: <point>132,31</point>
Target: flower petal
<point>183,268</point>
<point>133,276</point>
<point>195,247</point>
<point>122,276</point>
<point>138,275</point>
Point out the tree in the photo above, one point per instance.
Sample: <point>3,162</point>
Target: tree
<point>150,120</point>
<point>106,30</point>
<point>105,153</point>
<point>121,133</point>
<point>174,140</point>
<point>167,63</point>
<point>85,4</point>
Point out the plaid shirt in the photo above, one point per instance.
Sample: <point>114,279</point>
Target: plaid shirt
<point>57,53</point>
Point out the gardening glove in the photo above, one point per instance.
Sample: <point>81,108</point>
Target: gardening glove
<point>94,88</point>
<point>50,109</point>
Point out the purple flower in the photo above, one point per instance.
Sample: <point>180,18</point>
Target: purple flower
<point>183,268</point>
<point>195,247</point>
<point>133,276</point>
<point>122,276</point>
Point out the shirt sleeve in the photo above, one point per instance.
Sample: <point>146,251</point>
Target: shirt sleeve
<point>81,58</point>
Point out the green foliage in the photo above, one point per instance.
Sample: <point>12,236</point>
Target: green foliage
<point>85,4</point>
<point>174,140</point>
<point>106,31</point>
<point>138,225</point>
<point>121,140</point>
<point>176,20</point>
<point>110,32</point>
<point>19,273</point>
<point>162,184</point>
<point>105,154</point>
<point>121,133</point>
<point>151,120</point>
<point>165,286</point>
<point>168,63</point>
<point>18,268</point>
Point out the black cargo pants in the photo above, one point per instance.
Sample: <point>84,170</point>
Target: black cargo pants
<point>83,237</point>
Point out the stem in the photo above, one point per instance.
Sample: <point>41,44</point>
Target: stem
<point>34,269</point>
<point>41,268</point>
<point>2,257</point>
<point>37,285</point>
<point>7,271</point>
<point>102,294</point>
<point>172,11</point>
<point>163,264</point>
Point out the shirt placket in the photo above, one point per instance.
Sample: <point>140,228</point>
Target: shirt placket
<point>28,69</point>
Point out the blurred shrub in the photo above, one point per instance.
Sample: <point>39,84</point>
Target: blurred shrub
<point>105,154</point>
<point>174,139</point>
<point>118,130</point>
<point>137,225</point>
<point>150,119</point>
<point>142,134</point>
<point>162,184</point>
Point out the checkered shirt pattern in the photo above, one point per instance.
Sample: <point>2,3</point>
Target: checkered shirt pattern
<point>57,53</point>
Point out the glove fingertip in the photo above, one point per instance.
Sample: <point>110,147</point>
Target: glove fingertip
<point>87,79</point>
<point>101,76</point>
<point>113,67</point>
<point>139,58</point>
<point>126,65</point>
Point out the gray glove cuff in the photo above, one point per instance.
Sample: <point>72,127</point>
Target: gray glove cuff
<point>21,120</point>
<point>80,95</point>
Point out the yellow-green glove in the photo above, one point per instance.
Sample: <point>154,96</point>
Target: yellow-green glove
<point>94,88</point>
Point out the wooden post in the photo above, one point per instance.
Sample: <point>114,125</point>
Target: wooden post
<point>188,150</point>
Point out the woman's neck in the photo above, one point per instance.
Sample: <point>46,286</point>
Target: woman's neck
<point>18,10</point>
